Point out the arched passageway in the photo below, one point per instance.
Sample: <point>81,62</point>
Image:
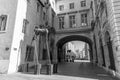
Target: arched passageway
<point>66,39</point>
<point>84,70</point>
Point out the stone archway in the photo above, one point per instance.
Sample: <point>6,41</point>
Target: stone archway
<point>69,38</point>
<point>110,50</point>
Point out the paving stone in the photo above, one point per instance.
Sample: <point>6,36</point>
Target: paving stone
<point>66,71</point>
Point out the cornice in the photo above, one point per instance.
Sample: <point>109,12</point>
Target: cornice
<point>73,12</point>
<point>88,30</point>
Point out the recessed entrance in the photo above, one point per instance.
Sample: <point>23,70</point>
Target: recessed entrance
<point>110,50</point>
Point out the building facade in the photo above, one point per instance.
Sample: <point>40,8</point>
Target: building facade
<point>7,19</point>
<point>74,22</point>
<point>106,34</point>
<point>19,45</point>
<point>73,14</point>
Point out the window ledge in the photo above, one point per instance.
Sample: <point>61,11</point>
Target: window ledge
<point>2,32</point>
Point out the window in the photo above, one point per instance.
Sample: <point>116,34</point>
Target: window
<point>71,5</point>
<point>83,3</point>
<point>72,21</point>
<point>38,7</point>
<point>106,12</point>
<point>44,16</point>
<point>53,20</point>
<point>84,19</point>
<point>29,53</point>
<point>3,20</point>
<point>61,22</point>
<point>61,7</point>
<point>25,22</point>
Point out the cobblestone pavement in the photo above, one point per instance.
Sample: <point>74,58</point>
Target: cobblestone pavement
<point>66,71</point>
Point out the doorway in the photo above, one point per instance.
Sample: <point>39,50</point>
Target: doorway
<point>110,51</point>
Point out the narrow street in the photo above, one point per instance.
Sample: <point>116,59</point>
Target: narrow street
<point>83,71</point>
<point>66,71</point>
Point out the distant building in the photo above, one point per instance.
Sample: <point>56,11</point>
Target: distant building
<point>80,50</point>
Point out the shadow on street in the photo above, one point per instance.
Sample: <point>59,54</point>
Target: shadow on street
<point>83,70</point>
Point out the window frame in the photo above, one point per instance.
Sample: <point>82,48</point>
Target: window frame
<point>72,21</point>
<point>71,6</point>
<point>29,55</point>
<point>38,7</point>
<point>61,7</point>
<point>83,3</point>
<point>25,23</point>
<point>61,22</point>
<point>84,19</point>
<point>3,22</point>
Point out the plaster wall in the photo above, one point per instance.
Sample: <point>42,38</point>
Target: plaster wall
<point>7,7</point>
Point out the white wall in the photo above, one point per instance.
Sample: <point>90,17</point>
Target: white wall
<point>7,7</point>
<point>17,35</point>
